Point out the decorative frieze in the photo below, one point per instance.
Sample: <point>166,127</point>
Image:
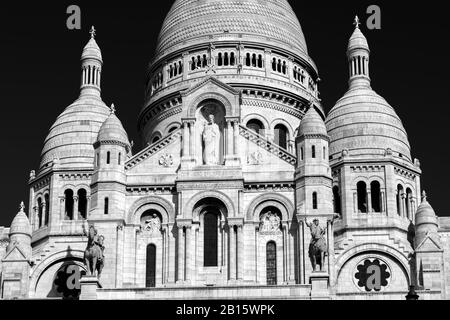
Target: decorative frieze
<point>287,187</point>
<point>151,190</point>
<point>367,168</point>
<point>79,176</point>
<point>405,173</point>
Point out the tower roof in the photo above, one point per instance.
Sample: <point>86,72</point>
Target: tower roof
<point>362,121</point>
<point>425,213</point>
<point>72,136</point>
<point>312,124</point>
<point>357,40</point>
<point>21,224</point>
<point>92,50</point>
<point>192,20</point>
<point>112,130</point>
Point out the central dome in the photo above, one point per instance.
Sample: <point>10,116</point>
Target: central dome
<point>190,21</point>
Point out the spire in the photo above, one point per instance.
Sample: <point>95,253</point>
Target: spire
<point>113,109</point>
<point>424,196</point>
<point>91,66</point>
<point>358,54</point>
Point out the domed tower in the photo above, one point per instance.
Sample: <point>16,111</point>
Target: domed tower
<point>313,174</point>
<point>59,190</point>
<point>374,174</point>
<point>16,264</point>
<point>429,249</point>
<point>108,182</point>
<point>246,62</point>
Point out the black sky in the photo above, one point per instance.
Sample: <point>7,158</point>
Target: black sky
<point>40,73</point>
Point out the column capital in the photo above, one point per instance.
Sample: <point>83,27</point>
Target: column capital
<point>187,223</point>
<point>236,222</point>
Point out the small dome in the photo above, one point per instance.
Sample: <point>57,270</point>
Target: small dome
<point>20,224</point>
<point>312,124</point>
<point>112,130</point>
<point>92,50</point>
<point>426,216</point>
<point>363,123</point>
<point>358,41</point>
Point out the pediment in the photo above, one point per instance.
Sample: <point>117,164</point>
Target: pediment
<point>161,158</point>
<point>211,89</point>
<point>428,244</point>
<point>210,82</point>
<point>15,254</point>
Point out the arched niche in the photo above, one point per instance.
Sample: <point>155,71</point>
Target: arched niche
<point>199,199</point>
<point>161,205</point>
<point>206,110</point>
<point>258,205</point>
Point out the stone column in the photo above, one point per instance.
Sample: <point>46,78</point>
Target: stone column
<point>191,139</point>
<point>185,140</point>
<point>185,65</point>
<point>239,255</point>
<point>369,202</point>
<point>236,138</point>
<point>291,256</point>
<point>171,255</point>
<point>383,202</point>
<point>268,62</point>
<point>402,204</point>
<point>290,67</point>
<point>189,253</point>
<point>62,208</point>
<point>44,210</point>
<point>229,139</point>
<point>75,208</point>
<point>180,254</point>
<point>302,252</point>
<point>232,263</point>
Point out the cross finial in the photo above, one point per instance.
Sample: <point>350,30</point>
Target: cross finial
<point>92,32</point>
<point>424,196</point>
<point>113,109</point>
<point>356,23</point>
<point>22,207</point>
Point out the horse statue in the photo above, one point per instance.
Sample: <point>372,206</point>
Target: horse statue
<point>93,255</point>
<point>318,246</point>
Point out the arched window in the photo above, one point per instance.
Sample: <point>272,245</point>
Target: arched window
<point>313,152</point>
<point>256,126</point>
<point>314,201</point>
<point>399,200</point>
<point>210,241</point>
<point>155,139</point>
<point>232,59</point>
<point>324,153</point>
<point>82,203</point>
<point>106,207</point>
<point>220,60</point>
<point>108,157</point>
<point>408,203</point>
<point>69,204</point>
<point>271,263</point>
<point>40,208</point>
<point>150,277</point>
<point>375,190</point>
<point>98,159</point>
<point>337,200</point>
<point>281,136</point>
<point>362,197</point>
<point>47,209</point>
<point>260,61</point>
<point>119,161</point>
<point>302,154</point>
<point>193,64</point>
<point>274,64</point>
<point>226,59</point>
<point>173,129</point>
<point>248,60</point>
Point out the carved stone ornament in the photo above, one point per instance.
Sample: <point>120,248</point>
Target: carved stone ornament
<point>166,160</point>
<point>255,158</point>
<point>270,222</point>
<point>152,225</point>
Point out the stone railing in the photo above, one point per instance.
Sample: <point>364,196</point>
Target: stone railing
<point>267,145</point>
<point>152,149</point>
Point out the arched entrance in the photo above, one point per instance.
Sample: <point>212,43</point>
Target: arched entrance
<point>271,263</point>
<point>150,277</point>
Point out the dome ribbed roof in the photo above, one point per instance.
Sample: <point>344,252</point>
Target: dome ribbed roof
<point>20,224</point>
<point>426,215</point>
<point>75,131</point>
<point>312,124</point>
<point>196,20</point>
<point>112,130</point>
<point>92,51</point>
<point>363,123</point>
<point>358,41</point>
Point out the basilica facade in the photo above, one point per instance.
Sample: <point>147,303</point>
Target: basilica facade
<point>245,189</point>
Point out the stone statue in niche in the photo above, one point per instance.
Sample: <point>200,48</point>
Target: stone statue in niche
<point>270,222</point>
<point>211,138</point>
<point>153,225</point>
